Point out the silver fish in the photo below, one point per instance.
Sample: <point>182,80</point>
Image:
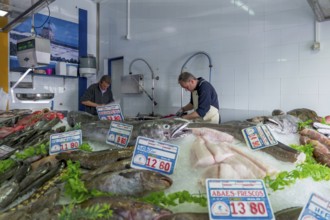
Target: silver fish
<point>130,182</point>
<point>161,129</point>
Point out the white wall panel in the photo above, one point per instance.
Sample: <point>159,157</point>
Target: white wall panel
<point>271,48</point>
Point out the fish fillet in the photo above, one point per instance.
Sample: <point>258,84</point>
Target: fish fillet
<point>212,134</point>
<point>219,151</point>
<point>201,156</point>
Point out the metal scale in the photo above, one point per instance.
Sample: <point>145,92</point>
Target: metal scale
<point>32,52</point>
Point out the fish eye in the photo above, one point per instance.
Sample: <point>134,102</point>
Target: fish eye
<point>166,126</point>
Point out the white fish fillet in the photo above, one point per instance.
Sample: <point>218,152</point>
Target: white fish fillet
<point>212,135</point>
<point>201,156</point>
<point>219,151</point>
<point>227,171</point>
<point>267,169</point>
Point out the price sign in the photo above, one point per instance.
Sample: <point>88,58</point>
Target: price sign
<point>317,207</point>
<point>154,155</point>
<point>257,137</point>
<point>110,112</point>
<point>238,199</point>
<point>119,134</point>
<point>66,141</point>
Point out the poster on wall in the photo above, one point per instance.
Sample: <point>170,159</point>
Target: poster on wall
<point>63,36</point>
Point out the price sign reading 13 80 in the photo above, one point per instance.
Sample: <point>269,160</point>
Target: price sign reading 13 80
<point>159,164</point>
<point>238,199</point>
<point>248,209</point>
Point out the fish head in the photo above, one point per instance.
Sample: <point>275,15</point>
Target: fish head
<point>154,181</point>
<point>164,129</point>
<point>283,124</point>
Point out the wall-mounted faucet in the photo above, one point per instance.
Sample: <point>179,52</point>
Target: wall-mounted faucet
<point>153,82</point>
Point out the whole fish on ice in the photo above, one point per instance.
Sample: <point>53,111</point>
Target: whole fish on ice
<point>128,208</point>
<point>161,129</point>
<point>130,182</point>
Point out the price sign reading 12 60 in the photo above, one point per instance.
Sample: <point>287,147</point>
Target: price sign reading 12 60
<point>238,199</point>
<point>159,164</point>
<point>154,155</point>
<point>66,141</point>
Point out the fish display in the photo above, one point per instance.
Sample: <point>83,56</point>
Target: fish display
<point>304,114</point>
<point>130,182</point>
<point>96,159</point>
<point>185,216</point>
<point>110,167</point>
<point>320,143</point>
<point>161,129</point>
<point>128,208</point>
<point>280,151</point>
<point>288,214</point>
<point>80,117</point>
<point>282,124</point>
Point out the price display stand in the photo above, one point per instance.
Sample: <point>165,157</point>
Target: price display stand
<point>66,141</point>
<point>110,112</point>
<point>317,208</point>
<point>258,137</point>
<point>238,199</point>
<point>154,155</point>
<point>119,134</point>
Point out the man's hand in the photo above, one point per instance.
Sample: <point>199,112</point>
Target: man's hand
<point>179,113</point>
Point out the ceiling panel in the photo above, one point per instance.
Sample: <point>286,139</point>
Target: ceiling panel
<point>19,10</point>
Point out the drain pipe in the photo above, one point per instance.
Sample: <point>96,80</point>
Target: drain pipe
<point>153,82</point>
<point>210,66</point>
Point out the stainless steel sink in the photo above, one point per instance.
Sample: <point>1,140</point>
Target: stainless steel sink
<point>34,96</point>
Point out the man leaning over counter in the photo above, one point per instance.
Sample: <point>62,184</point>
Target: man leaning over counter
<point>97,94</point>
<point>203,99</point>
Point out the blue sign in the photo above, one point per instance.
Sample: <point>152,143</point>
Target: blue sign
<point>257,137</point>
<point>238,199</point>
<point>119,134</point>
<point>316,208</point>
<point>66,141</point>
<point>154,155</point>
<point>110,112</point>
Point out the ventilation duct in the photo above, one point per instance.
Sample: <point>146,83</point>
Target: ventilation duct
<point>321,9</point>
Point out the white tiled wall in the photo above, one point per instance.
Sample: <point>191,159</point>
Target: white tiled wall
<point>260,62</point>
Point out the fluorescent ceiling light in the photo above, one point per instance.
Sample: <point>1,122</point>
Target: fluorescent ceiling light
<point>3,13</point>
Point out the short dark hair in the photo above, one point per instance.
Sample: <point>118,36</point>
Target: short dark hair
<point>186,76</point>
<point>105,78</point>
